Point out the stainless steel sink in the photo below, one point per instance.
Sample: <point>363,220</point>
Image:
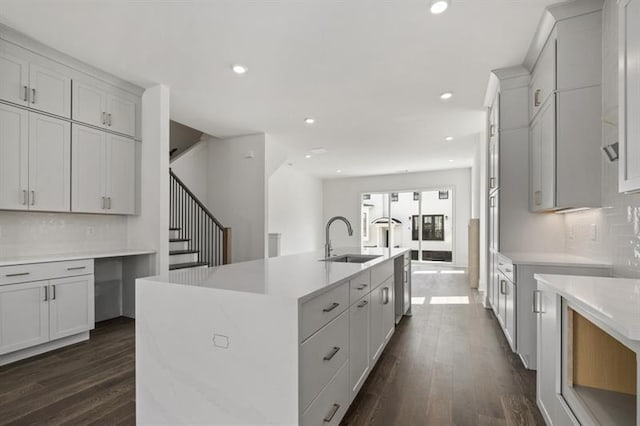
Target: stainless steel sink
<point>352,258</point>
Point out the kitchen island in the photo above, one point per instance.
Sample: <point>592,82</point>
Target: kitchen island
<point>286,340</point>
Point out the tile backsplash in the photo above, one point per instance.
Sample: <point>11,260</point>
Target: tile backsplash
<point>33,233</point>
<point>617,236</point>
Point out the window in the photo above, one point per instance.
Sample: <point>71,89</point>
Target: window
<point>433,227</point>
<point>415,228</point>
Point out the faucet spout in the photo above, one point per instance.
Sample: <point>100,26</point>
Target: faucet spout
<point>327,241</point>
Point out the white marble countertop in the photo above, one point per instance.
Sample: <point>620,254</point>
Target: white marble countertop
<point>76,255</point>
<point>614,301</point>
<point>555,259</point>
<point>298,276</point>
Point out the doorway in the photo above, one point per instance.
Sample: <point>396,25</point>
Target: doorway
<point>420,220</point>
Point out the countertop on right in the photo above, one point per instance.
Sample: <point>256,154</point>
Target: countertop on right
<point>554,259</point>
<point>614,301</point>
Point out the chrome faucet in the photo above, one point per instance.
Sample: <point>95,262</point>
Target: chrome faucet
<point>327,241</point>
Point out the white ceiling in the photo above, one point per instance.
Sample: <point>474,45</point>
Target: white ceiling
<point>369,71</point>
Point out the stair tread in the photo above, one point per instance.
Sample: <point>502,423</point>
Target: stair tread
<point>178,240</point>
<point>186,251</point>
<point>186,265</point>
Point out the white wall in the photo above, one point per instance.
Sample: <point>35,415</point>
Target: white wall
<point>295,210</point>
<point>192,168</point>
<point>237,192</point>
<point>618,222</point>
<point>342,197</point>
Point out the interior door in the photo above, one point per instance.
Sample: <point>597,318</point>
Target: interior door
<point>14,157</point>
<point>88,171</point>
<point>71,306</point>
<point>14,84</point>
<point>50,90</point>
<point>89,104</point>
<point>24,316</point>
<point>121,174</point>
<point>122,110</point>
<point>49,163</point>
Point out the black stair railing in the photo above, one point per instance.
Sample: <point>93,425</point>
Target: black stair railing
<point>196,224</point>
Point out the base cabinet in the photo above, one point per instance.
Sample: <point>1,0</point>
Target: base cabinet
<point>359,343</point>
<point>71,306</point>
<point>24,316</point>
<point>382,317</point>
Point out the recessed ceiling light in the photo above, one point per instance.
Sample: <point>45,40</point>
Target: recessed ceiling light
<point>448,138</point>
<point>239,69</point>
<point>309,120</point>
<point>307,156</point>
<point>319,150</point>
<point>439,6</point>
<point>338,171</point>
<point>451,161</point>
<point>446,95</point>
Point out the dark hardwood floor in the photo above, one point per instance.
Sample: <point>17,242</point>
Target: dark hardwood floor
<point>446,365</point>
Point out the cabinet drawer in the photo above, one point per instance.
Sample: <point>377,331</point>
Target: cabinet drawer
<point>507,268</point>
<point>332,403</point>
<point>380,273</point>
<point>44,271</point>
<point>359,286</point>
<point>321,357</point>
<point>320,310</point>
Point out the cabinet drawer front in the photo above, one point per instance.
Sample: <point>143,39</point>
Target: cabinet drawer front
<point>507,268</point>
<point>44,271</point>
<point>359,286</point>
<point>321,357</point>
<point>320,310</point>
<point>332,403</point>
<point>380,273</point>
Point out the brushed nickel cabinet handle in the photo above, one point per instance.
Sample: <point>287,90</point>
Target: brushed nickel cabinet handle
<point>104,117</point>
<point>386,295</point>
<point>492,130</point>
<point>33,96</point>
<point>362,304</point>
<point>25,197</point>
<point>492,182</point>
<point>26,93</point>
<point>492,201</point>
<point>332,413</point>
<point>18,274</point>
<point>76,268</point>
<point>536,97</point>
<point>33,197</point>
<point>332,307</point>
<point>362,287</point>
<point>46,293</point>
<point>331,354</point>
<point>109,119</point>
<point>53,292</point>
<point>104,203</point>
<point>537,302</point>
<point>109,203</point>
<point>503,286</point>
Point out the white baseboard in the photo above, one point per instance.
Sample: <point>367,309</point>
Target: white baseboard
<point>45,347</point>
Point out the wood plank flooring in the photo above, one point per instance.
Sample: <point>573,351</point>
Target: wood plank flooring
<point>446,365</point>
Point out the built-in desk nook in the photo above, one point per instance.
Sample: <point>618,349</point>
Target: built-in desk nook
<point>588,346</point>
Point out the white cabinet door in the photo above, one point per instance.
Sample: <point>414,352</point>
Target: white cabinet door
<point>50,91</point>
<point>376,325</point>
<point>14,158</point>
<point>88,171</point>
<point>358,343</point>
<point>543,78</point>
<point>89,103</point>
<point>71,306</point>
<point>24,316</point>
<point>14,84</point>
<point>629,95</point>
<point>121,175</point>
<point>122,112</point>
<point>49,163</point>
<point>542,158</point>
<point>388,309</point>
<point>510,313</point>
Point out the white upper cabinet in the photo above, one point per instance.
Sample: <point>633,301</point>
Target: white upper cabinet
<point>49,163</point>
<point>629,95</point>
<point>104,172</point>
<point>34,81</point>
<point>50,91</point>
<point>98,104</point>
<point>14,84</point>
<point>14,157</point>
<point>564,111</point>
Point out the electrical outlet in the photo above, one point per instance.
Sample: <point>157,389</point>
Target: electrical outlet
<point>593,232</point>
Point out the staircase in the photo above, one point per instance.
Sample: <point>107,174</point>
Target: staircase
<point>196,238</point>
